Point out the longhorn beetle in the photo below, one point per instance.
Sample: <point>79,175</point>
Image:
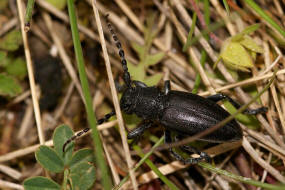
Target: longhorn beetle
<point>181,112</point>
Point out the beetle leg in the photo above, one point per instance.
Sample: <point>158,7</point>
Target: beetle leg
<point>100,121</point>
<point>167,87</point>
<point>203,155</point>
<point>190,149</point>
<point>119,88</point>
<point>168,140</point>
<point>139,83</point>
<point>137,132</point>
<point>218,97</point>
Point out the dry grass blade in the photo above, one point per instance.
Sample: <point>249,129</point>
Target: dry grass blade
<point>115,97</point>
<point>31,75</point>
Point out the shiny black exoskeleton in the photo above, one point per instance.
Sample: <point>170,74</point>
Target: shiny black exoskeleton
<point>186,114</point>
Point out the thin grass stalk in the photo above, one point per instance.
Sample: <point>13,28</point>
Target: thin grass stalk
<point>240,178</point>
<point>203,54</point>
<point>99,154</point>
<point>34,93</point>
<point>191,32</point>
<point>265,16</point>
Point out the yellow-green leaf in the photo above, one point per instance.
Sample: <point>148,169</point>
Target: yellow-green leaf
<point>246,31</point>
<point>153,80</point>
<point>139,49</point>
<point>236,57</point>
<point>154,59</point>
<point>59,4</point>
<point>250,44</point>
<point>137,71</point>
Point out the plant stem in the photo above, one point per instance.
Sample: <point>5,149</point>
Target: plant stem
<point>99,154</point>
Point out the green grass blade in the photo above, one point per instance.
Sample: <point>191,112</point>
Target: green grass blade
<point>190,34</point>
<point>207,11</point>
<point>155,169</point>
<point>29,13</point>
<point>265,16</point>
<point>198,77</point>
<point>99,154</point>
<point>240,178</point>
<point>211,28</point>
<point>226,6</point>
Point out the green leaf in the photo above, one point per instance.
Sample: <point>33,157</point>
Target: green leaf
<point>149,33</point>
<point>250,44</point>
<point>248,120</point>
<point>49,159</point>
<point>17,68</point>
<point>11,41</point>
<point>60,136</point>
<point>137,71</point>
<point>9,86</point>
<point>82,176</point>
<point>248,30</point>
<point>236,57</point>
<point>139,50</point>
<point>3,56</point>
<point>83,155</point>
<point>59,4</point>
<point>153,80</point>
<point>40,183</point>
<point>153,59</point>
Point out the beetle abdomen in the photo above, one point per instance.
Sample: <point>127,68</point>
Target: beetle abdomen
<point>190,114</point>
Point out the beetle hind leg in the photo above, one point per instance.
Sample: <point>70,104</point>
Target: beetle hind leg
<point>186,148</point>
<point>190,149</point>
<point>203,155</point>
<point>167,87</point>
<point>218,97</point>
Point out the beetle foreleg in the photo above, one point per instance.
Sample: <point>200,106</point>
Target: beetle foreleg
<point>100,121</point>
<point>218,97</point>
<point>137,132</point>
<point>139,83</point>
<point>167,87</point>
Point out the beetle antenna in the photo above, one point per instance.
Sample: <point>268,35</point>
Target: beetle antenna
<point>126,75</point>
<point>99,122</point>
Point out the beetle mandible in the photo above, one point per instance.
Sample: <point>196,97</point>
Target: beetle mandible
<point>185,113</point>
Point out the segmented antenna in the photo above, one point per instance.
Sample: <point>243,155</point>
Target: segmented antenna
<point>126,75</point>
<point>99,122</point>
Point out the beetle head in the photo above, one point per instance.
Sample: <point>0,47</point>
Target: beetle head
<point>128,100</point>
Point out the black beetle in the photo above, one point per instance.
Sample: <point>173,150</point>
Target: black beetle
<point>184,113</point>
